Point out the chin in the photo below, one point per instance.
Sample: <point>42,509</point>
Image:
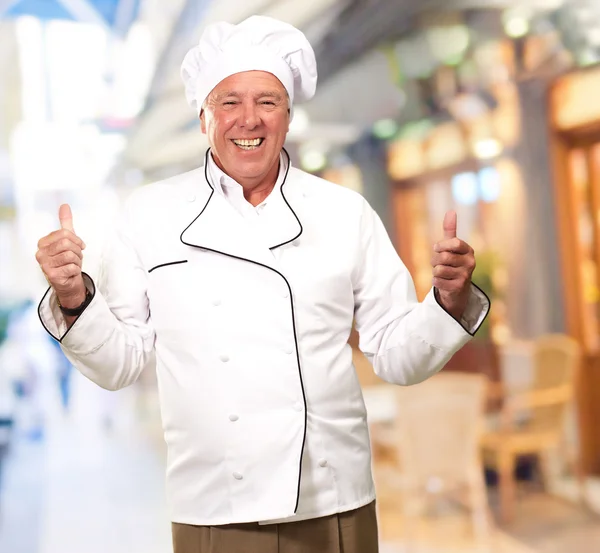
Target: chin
<point>251,172</point>
<point>249,168</point>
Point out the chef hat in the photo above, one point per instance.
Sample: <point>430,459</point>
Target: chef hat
<point>258,43</point>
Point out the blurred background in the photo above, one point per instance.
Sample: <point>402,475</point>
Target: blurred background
<point>488,107</point>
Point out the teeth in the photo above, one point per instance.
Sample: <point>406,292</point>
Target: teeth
<point>248,144</point>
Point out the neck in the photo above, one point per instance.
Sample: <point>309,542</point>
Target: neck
<point>256,189</point>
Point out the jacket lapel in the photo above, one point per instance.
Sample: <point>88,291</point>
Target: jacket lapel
<point>219,227</point>
<point>279,221</point>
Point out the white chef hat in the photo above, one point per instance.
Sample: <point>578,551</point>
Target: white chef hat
<point>258,43</point>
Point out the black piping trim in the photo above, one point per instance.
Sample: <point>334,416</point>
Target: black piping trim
<point>291,300</point>
<point>461,325</point>
<point>59,340</point>
<point>287,170</point>
<point>167,264</point>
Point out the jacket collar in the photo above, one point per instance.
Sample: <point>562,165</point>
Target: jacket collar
<point>219,227</point>
<point>224,184</point>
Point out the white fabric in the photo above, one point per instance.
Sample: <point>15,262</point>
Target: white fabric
<point>230,344</point>
<point>258,43</point>
<point>234,193</point>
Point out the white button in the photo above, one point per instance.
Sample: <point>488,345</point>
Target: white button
<point>298,406</point>
<point>237,476</point>
<point>296,243</point>
<point>224,358</point>
<point>286,294</point>
<point>289,350</point>
<point>323,463</point>
<point>216,302</point>
<point>233,418</point>
<point>192,198</point>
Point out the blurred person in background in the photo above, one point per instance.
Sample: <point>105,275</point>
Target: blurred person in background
<point>28,362</point>
<point>242,280</point>
<point>63,374</point>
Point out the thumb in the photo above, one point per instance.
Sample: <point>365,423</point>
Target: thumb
<point>66,217</point>
<point>450,225</point>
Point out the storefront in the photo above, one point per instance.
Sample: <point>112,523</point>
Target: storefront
<point>575,122</point>
<point>467,167</point>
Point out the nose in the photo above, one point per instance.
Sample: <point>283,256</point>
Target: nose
<point>250,117</point>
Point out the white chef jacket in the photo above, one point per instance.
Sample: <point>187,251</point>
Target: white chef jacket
<point>248,322</point>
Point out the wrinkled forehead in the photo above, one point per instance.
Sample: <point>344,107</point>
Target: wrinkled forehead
<point>249,83</point>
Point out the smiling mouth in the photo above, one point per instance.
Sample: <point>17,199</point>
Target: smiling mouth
<point>252,144</point>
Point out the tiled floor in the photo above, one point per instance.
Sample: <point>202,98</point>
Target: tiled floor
<point>445,528</point>
<point>552,525</point>
<point>21,501</point>
<point>543,524</point>
<point>88,488</point>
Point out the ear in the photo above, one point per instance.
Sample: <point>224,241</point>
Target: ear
<point>202,122</point>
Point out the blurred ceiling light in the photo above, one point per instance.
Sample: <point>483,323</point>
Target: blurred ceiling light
<point>385,129</point>
<point>593,35</point>
<point>464,188</point>
<point>489,184</point>
<point>300,123</point>
<point>516,22</point>
<point>134,68</point>
<point>516,27</point>
<point>31,64</point>
<point>313,161</point>
<point>74,57</point>
<point>448,42</point>
<point>488,148</point>
<point>68,156</point>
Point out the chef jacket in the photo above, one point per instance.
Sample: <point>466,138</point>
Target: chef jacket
<point>246,314</point>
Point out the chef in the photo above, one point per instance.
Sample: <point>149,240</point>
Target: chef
<point>241,280</point>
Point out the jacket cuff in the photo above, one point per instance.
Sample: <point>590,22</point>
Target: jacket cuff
<point>51,316</point>
<point>478,307</point>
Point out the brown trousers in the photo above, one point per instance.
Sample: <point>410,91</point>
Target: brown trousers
<point>350,532</point>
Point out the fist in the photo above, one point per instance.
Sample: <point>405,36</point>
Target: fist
<point>453,263</point>
<point>60,256</point>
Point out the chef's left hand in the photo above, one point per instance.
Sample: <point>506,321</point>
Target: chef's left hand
<point>453,262</point>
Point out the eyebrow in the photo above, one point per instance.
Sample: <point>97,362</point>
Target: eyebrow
<point>234,94</point>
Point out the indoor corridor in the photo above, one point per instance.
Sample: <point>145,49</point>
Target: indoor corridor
<point>92,481</point>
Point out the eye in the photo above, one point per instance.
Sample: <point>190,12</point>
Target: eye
<point>230,103</point>
<point>268,103</point>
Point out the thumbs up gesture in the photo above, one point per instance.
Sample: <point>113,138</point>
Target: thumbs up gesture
<point>60,256</point>
<point>453,263</point>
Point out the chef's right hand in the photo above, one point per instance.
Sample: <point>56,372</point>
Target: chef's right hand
<point>60,255</point>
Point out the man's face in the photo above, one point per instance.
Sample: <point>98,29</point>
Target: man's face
<point>246,119</point>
